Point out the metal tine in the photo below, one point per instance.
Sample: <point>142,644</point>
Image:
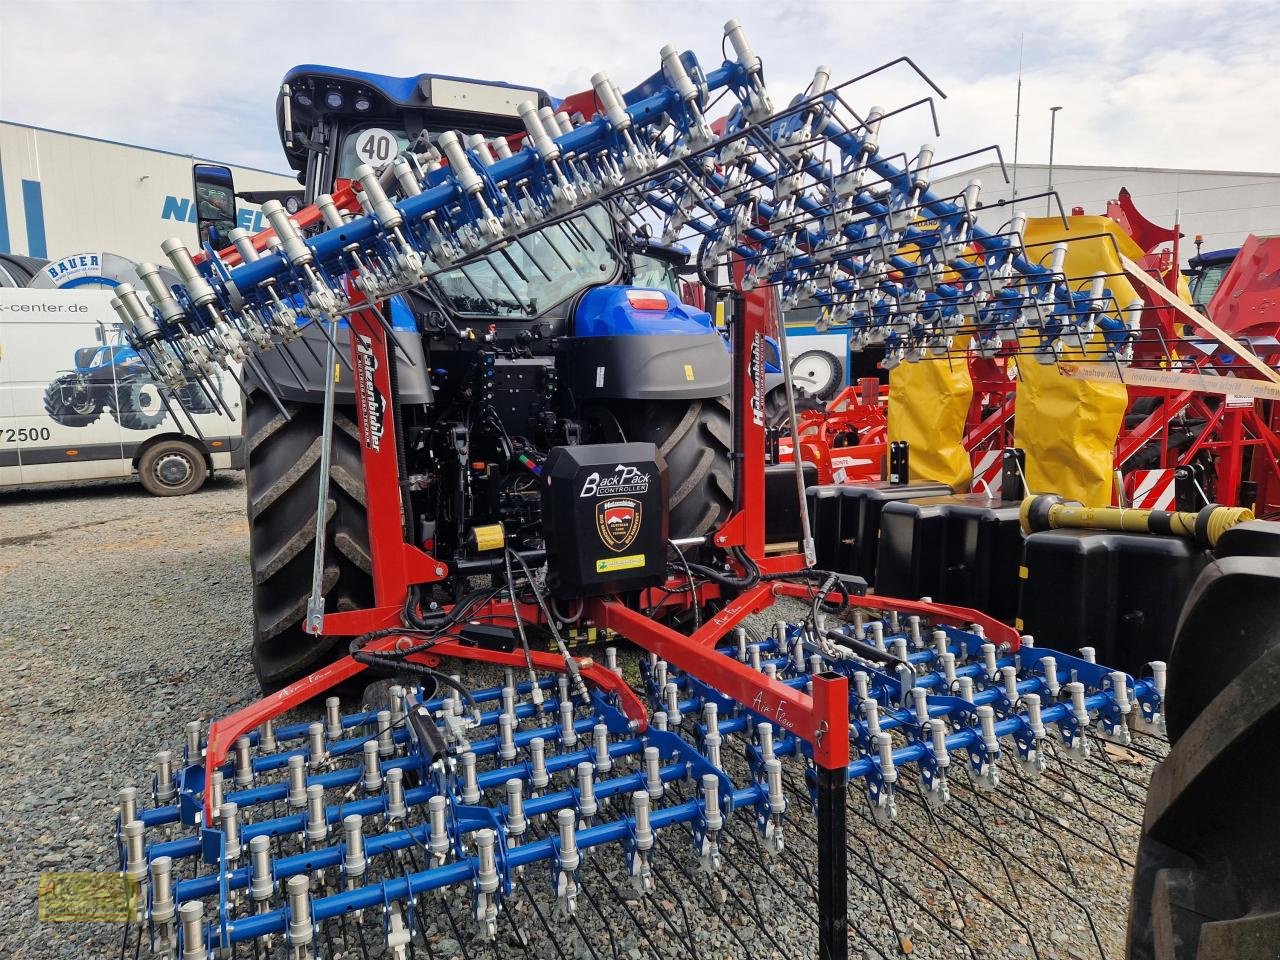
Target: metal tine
<point>962,824</point>
<point>949,868</point>
<point>337,350</point>
<point>878,874</point>
<point>251,362</point>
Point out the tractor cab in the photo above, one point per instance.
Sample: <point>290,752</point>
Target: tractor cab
<point>1206,271</point>
<point>331,119</point>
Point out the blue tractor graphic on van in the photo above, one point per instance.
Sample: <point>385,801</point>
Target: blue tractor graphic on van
<point>111,376</point>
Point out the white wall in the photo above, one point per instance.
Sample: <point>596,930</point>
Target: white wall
<point>1224,207</point>
<point>75,193</point>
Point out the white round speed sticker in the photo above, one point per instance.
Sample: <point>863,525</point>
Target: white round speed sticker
<point>376,146</point>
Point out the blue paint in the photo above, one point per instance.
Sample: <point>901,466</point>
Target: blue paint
<point>4,216</point>
<point>177,208</point>
<point>606,312</point>
<point>33,208</point>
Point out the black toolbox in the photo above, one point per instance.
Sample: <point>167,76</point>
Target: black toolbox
<point>962,549</point>
<point>1119,593</point>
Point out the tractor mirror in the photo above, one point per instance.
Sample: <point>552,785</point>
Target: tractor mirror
<point>215,196</point>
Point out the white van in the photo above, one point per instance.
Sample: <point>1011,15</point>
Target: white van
<point>78,403</point>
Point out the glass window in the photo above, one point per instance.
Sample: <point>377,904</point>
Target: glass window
<point>1208,281</point>
<point>653,272</point>
<point>536,272</point>
<point>373,150</point>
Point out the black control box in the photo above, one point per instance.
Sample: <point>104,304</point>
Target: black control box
<point>604,508</point>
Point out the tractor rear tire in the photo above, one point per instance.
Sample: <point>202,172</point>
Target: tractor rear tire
<point>694,437</point>
<point>282,475</point>
<point>1207,881</point>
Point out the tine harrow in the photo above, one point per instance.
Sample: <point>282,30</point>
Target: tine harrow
<point>470,826</point>
<point>990,783</point>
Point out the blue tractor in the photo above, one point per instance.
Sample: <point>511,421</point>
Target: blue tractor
<point>111,376</point>
<point>573,334</point>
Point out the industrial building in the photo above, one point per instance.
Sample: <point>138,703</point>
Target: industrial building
<point>61,193</point>
<point>1221,206</point>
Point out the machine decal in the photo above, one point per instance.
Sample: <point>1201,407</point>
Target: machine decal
<point>614,564</point>
<point>624,479</point>
<point>375,404</point>
<point>756,369</point>
<point>618,522</point>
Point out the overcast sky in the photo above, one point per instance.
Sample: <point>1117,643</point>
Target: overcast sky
<point>1167,84</point>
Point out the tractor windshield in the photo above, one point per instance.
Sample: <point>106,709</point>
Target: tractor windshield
<point>1206,283</point>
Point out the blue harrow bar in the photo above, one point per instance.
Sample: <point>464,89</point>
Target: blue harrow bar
<point>324,827</point>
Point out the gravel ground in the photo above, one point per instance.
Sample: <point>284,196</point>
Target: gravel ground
<point>122,616</point>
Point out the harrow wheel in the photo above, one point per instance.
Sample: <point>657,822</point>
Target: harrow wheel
<point>282,472</point>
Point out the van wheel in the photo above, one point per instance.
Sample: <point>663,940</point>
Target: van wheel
<point>172,468</point>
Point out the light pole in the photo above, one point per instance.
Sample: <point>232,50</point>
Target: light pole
<point>1053,122</point>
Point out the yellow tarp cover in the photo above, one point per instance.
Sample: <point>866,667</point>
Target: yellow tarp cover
<point>928,403</point>
<point>1067,427</point>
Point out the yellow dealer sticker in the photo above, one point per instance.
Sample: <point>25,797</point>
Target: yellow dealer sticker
<point>612,564</point>
<point>86,897</point>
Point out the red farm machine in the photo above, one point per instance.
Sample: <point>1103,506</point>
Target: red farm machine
<point>519,437</point>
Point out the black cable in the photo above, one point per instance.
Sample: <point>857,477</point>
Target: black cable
<point>697,615</point>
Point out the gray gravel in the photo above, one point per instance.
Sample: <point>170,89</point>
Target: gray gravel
<point>122,616</point>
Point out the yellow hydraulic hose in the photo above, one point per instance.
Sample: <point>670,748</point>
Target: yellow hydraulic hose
<point>1206,527</point>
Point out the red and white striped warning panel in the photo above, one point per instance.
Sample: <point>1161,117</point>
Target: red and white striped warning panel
<point>1151,489</point>
<point>988,472</point>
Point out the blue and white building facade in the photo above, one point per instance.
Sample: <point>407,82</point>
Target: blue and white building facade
<point>61,193</point>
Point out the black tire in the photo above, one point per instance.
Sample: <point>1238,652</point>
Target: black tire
<point>172,468</point>
<point>72,401</point>
<point>822,373</point>
<point>694,437</point>
<point>1207,881</point>
<point>281,476</point>
<point>139,405</point>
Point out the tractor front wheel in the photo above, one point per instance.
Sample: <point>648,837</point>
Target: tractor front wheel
<point>72,401</point>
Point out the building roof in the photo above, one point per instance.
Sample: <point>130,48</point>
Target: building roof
<point>138,146</point>
<point>1119,168</point>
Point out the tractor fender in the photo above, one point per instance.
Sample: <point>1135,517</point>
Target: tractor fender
<point>300,378</point>
<point>632,343</point>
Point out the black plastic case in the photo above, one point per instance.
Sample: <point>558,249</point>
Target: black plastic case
<point>1119,593</point>
<point>962,549</point>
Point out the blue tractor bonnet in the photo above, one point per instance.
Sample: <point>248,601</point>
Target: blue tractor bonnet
<point>619,311</point>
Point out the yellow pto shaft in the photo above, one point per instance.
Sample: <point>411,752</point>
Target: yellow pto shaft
<point>1048,512</point>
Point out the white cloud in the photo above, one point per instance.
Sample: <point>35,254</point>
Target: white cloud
<point>1176,85</point>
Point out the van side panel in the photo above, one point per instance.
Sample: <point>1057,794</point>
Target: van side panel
<point>76,402</point>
